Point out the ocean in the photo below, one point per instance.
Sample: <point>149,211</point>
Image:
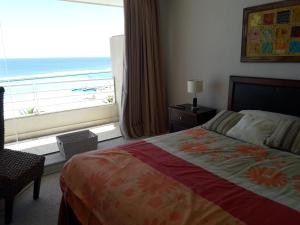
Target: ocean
<point>55,84</point>
<point>29,67</point>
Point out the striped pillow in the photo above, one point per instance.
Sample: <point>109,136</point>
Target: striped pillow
<point>223,121</point>
<point>286,136</point>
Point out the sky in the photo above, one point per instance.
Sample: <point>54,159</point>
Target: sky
<point>55,28</point>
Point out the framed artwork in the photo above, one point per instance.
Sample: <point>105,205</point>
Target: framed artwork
<point>271,32</point>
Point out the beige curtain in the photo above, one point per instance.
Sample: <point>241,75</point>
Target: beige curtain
<point>144,111</point>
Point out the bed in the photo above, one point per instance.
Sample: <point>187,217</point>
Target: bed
<point>192,177</point>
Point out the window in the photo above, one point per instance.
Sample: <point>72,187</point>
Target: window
<point>55,58</point>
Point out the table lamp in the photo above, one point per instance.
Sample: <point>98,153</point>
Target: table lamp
<point>194,87</point>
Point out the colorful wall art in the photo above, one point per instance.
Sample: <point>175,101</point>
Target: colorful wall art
<point>271,32</point>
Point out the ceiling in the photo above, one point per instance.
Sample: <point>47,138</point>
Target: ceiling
<point>118,3</point>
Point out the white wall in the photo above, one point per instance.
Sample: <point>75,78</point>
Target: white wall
<point>201,39</point>
<point>117,52</point>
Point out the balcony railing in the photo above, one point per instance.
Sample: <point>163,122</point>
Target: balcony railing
<point>57,92</point>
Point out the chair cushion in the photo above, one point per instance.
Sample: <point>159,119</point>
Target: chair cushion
<point>18,168</point>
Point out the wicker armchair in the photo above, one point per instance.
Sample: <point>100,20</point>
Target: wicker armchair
<point>17,169</point>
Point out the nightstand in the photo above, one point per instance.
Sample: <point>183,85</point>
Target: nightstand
<point>182,117</point>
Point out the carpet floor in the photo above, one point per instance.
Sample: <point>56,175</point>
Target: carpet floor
<point>41,212</point>
<point>45,210</point>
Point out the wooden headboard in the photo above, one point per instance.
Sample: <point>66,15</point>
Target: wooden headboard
<point>274,95</point>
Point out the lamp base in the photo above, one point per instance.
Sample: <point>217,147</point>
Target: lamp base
<point>194,103</point>
<point>194,106</point>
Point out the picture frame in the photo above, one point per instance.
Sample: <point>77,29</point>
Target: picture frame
<point>271,32</point>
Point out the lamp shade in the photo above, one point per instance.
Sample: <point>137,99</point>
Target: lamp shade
<point>194,86</point>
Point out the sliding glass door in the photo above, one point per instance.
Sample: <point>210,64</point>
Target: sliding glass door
<point>56,67</point>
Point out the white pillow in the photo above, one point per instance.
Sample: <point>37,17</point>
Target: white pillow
<point>276,117</point>
<point>252,129</point>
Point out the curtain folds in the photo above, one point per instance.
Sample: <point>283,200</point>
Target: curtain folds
<point>144,111</point>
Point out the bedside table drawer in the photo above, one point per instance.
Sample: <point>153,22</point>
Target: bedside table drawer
<point>183,117</point>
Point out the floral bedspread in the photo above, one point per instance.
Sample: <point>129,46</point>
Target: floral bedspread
<point>194,177</point>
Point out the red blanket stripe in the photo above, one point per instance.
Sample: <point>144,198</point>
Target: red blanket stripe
<point>245,205</point>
